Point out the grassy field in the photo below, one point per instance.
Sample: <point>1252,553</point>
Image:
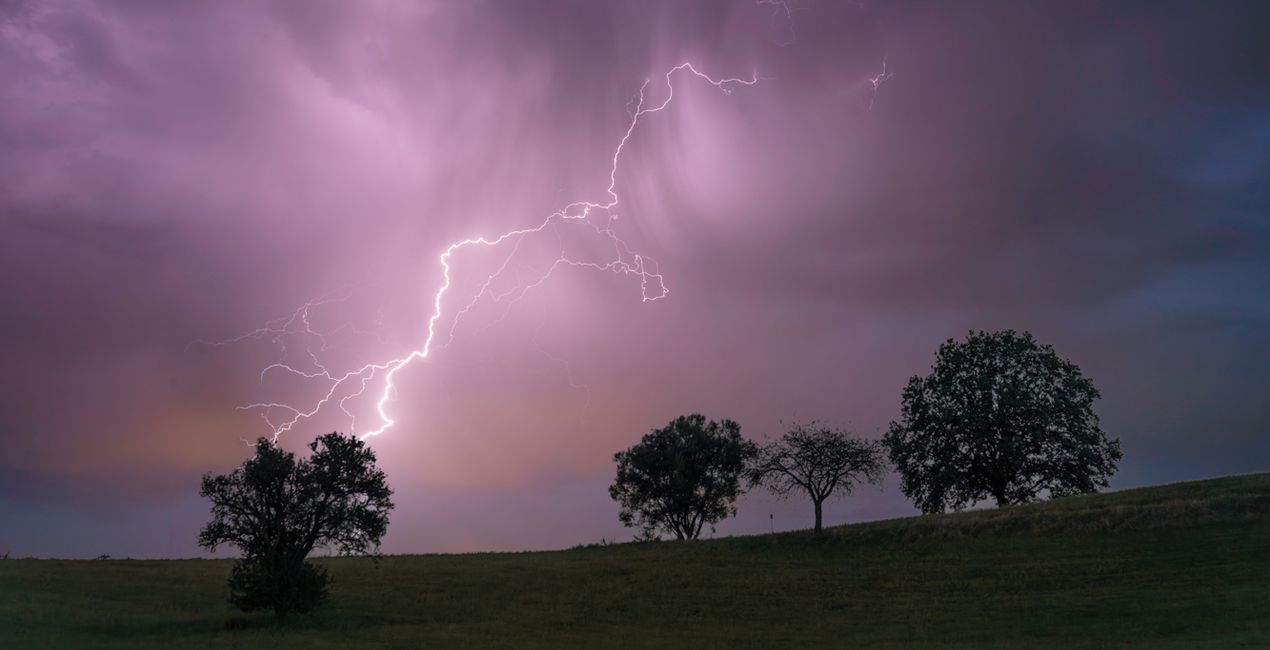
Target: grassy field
<point>1182,566</point>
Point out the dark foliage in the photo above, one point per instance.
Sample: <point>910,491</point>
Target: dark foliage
<point>256,584</point>
<point>682,476</point>
<point>818,460</point>
<point>276,510</point>
<point>999,416</point>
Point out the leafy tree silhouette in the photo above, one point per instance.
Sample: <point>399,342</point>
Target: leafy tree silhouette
<point>681,477</point>
<point>1000,416</point>
<point>276,510</point>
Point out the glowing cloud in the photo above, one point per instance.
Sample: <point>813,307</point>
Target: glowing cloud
<point>596,217</point>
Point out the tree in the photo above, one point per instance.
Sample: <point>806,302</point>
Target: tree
<point>276,510</point>
<point>999,416</point>
<point>682,476</point>
<point>819,460</point>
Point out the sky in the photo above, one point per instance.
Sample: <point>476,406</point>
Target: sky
<point>174,177</point>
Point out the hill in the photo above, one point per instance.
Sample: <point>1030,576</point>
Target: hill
<point>1184,565</point>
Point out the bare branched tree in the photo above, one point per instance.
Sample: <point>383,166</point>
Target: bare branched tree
<point>819,460</point>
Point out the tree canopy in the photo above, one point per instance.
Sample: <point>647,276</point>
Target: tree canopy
<point>682,476</point>
<point>276,510</point>
<point>1000,416</point>
<point>818,460</point>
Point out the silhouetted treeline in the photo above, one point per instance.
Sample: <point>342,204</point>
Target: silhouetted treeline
<point>1000,416</point>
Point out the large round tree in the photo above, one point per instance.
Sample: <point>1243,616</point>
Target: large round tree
<point>277,509</point>
<point>1002,417</point>
<point>681,477</point>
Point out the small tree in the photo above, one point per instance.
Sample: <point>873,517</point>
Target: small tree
<point>818,460</point>
<point>999,416</point>
<point>276,510</point>
<point>681,477</point>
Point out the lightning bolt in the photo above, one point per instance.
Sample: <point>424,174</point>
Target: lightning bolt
<point>781,7</point>
<point>876,82</point>
<point>596,217</point>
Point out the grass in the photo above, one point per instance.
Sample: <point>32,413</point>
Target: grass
<point>1176,566</point>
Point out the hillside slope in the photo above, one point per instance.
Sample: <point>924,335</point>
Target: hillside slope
<point>1184,565</point>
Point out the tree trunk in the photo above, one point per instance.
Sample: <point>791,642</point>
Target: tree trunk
<point>819,527</point>
<point>998,489</point>
<point>998,493</point>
